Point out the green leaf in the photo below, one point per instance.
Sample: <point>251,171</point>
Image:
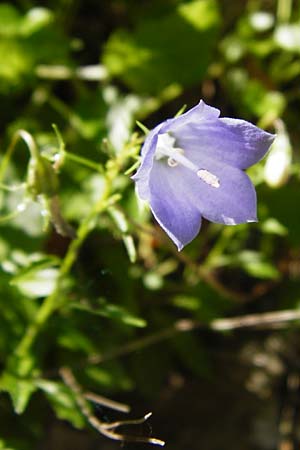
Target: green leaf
<point>255,264</point>
<point>20,390</point>
<point>62,401</point>
<point>35,19</point>
<point>251,96</point>
<point>262,269</point>
<point>252,262</point>
<point>121,221</point>
<point>280,205</point>
<point>273,226</point>
<point>5,446</point>
<point>15,62</point>
<point>10,20</point>
<point>38,280</point>
<point>187,302</point>
<point>71,338</point>
<point>113,312</point>
<point>25,41</point>
<point>12,23</point>
<point>175,48</point>
<point>113,376</point>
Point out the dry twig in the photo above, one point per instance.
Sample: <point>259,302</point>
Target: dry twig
<point>106,429</point>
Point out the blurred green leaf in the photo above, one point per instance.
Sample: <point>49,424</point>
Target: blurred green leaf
<point>27,40</point>
<point>121,221</point>
<point>273,226</point>
<point>251,96</point>
<point>186,302</point>
<point>261,269</point>
<point>253,262</point>
<point>62,401</point>
<point>37,278</point>
<point>73,339</point>
<point>111,311</point>
<point>20,390</point>
<point>110,377</point>
<point>13,23</point>
<point>15,62</point>
<point>39,282</point>
<point>280,204</point>
<point>5,446</point>
<point>10,20</point>
<point>35,19</point>
<point>174,48</point>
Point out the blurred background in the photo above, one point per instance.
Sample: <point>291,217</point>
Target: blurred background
<point>207,339</point>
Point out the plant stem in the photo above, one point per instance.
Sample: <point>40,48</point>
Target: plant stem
<point>52,302</point>
<point>284,10</point>
<point>30,143</point>
<point>83,161</point>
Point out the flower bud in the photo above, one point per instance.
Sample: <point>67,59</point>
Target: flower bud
<point>41,178</point>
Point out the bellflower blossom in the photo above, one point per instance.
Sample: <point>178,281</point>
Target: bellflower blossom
<point>192,167</point>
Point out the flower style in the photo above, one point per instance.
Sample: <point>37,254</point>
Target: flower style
<point>192,167</point>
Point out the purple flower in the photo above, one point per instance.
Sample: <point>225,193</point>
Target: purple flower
<point>192,167</point>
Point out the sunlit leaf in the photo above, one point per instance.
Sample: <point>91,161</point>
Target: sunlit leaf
<point>20,390</point>
<point>62,401</point>
<point>113,312</point>
<point>175,48</point>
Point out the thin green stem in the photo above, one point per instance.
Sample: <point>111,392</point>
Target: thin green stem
<point>219,247</point>
<point>284,10</point>
<point>12,215</point>
<point>15,188</point>
<point>83,161</point>
<point>29,141</point>
<point>66,113</point>
<point>53,301</point>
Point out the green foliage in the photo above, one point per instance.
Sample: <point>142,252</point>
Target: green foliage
<point>20,391</point>
<point>88,280</point>
<point>25,41</point>
<point>62,401</point>
<point>179,43</point>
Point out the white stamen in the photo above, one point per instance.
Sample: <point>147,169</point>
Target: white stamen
<point>208,178</point>
<point>165,146</point>
<point>174,155</point>
<point>172,162</point>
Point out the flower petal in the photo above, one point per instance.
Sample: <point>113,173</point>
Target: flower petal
<point>171,204</point>
<point>199,113</point>
<point>231,141</point>
<point>149,139</point>
<point>232,203</point>
<point>141,177</point>
<point>194,115</point>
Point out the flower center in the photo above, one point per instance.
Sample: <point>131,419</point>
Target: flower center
<point>166,150</point>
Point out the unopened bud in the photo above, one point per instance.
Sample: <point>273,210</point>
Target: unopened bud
<point>41,178</point>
